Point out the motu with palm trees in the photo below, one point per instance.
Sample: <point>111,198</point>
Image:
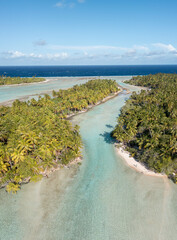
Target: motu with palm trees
<point>35,136</point>
<point>147,125</point>
<point>4,80</point>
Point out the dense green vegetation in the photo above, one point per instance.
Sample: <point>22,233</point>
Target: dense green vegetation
<point>147,125</point>
<point>36,137</point>
<point>77,98</point>
<point>17,80</point>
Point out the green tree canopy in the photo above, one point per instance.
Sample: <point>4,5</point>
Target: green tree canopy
<point>147,125</point>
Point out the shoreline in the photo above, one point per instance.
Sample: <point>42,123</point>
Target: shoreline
<point>48,79</point>
<point>74,162</point>
<point>77,161</point>
<point>46,174</point>
<point>70,116</point>
<point>24,84</point>
<point>131,162</point>
<point>8,103</point>
<point>22,99</point>
<point>25,98</point>
<point>140,87</point>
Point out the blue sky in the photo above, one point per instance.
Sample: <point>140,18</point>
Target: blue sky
<point>88,32</point>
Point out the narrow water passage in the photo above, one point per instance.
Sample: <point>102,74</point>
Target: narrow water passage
<point>105,200</point>
<point>108,200</point>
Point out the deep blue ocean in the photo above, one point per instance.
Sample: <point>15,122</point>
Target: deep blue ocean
<point>76,71</point>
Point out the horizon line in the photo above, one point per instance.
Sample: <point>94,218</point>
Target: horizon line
<point>89,65</point>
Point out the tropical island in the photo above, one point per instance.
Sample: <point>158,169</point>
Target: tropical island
<point>36,137</point>
<point>147,125</point>
<point>5,80</point>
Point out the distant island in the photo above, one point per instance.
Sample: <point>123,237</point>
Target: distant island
<point>4,80</point>
<point>147,125</point>
<point>36,137</point>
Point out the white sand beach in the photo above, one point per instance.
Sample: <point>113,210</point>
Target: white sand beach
<point>139,167</point>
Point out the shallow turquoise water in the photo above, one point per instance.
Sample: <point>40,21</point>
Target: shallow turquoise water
<point>12,92</point>
<point>105,200</point>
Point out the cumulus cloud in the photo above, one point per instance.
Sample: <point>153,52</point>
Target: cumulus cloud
<point>129,53</point>
<point>166,47</point>
<point>99,54</point>
<point>17,54</point>
<point>137,47</point>
<point>62,55</point>
<point>13,54</point>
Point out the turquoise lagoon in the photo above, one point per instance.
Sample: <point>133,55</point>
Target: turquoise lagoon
<point>8,93</point>
<point>103,200</point>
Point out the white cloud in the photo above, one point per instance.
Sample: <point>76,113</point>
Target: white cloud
<point>17,54</point>
<point>166,47</point>
<point>95,54</point>
<point>137,47</point>
<point>62,55</point>
<point>130,53</point>
<point>13,54</point>
<point>33,55</point>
